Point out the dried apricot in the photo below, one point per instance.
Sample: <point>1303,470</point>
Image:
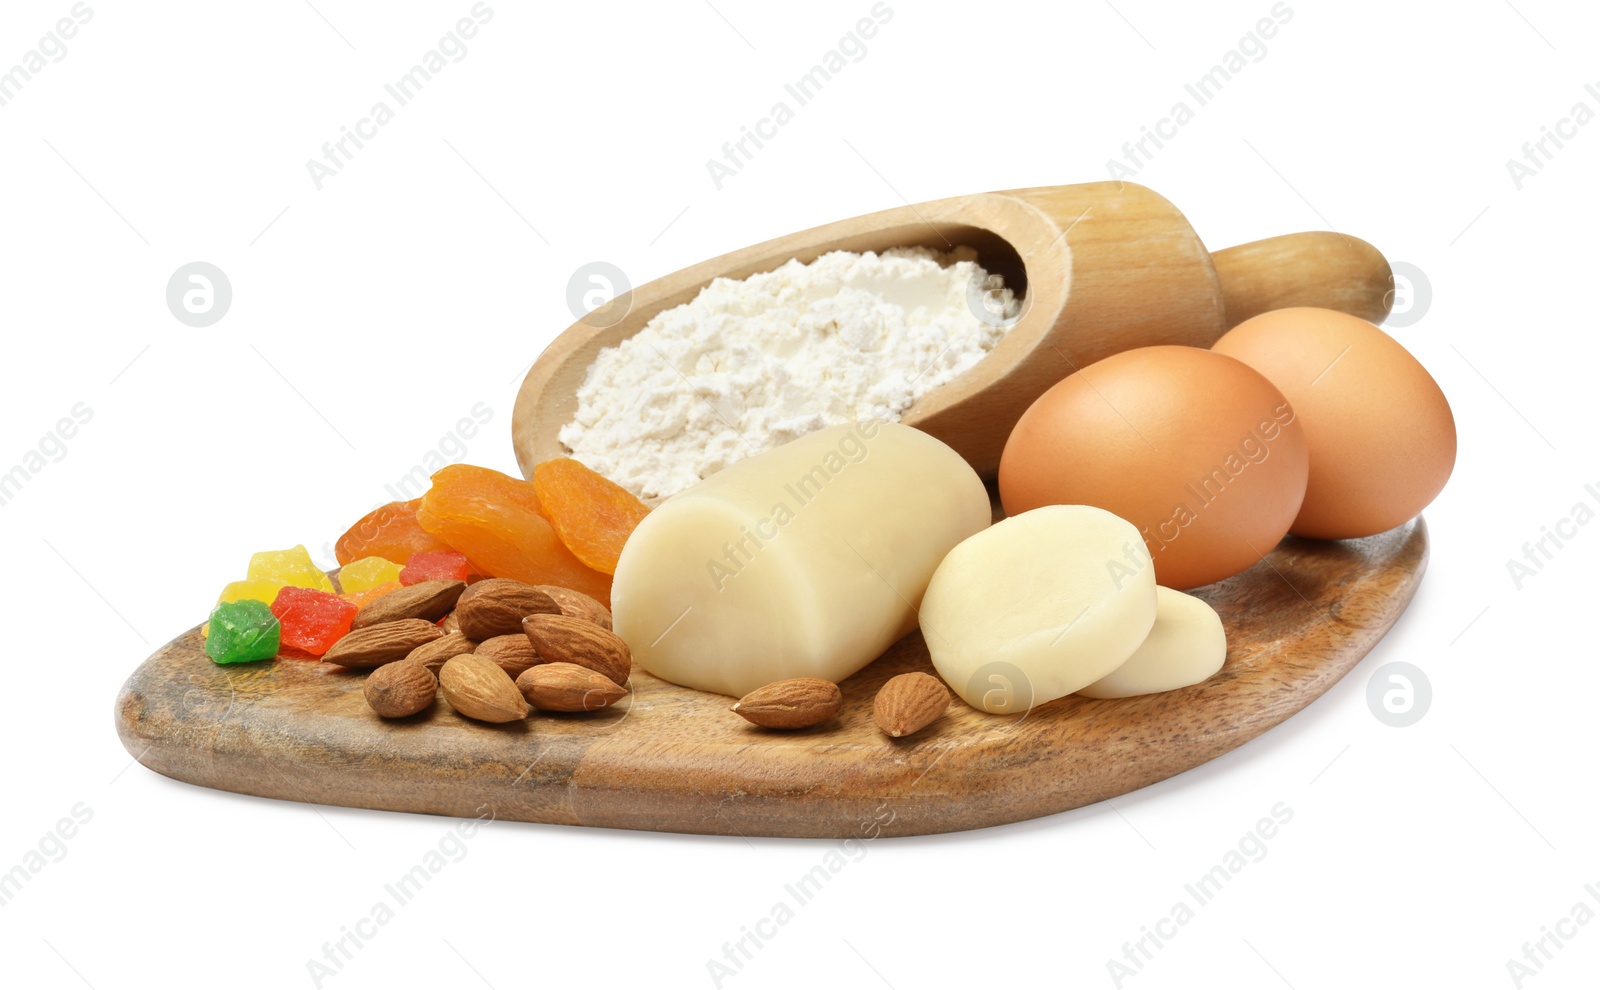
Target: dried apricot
<point>389,531</point>
<point>496,521</point>
<point>593,515</point>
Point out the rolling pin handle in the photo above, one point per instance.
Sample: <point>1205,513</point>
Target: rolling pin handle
<point>1314,268</point>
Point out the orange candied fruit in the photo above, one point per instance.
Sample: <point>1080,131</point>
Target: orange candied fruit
<point>360,599</point>
<point>496,521</point>
<point>593,515</point>
<point>389,531</point>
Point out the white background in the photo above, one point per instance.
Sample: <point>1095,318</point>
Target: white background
<point>369,316</point>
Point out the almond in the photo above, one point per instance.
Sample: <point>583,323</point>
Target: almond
<point>564,639</point>
<point>567,687</point>
<point>513,653</point>
<point>450,623</point>
<point>478,689</point>
<point>431,600</point>
<point>578,605</point>
<point>909,703</point>
<point>497,606</point>
<point>396,690</point>
<point>374,646</point>
<point>795,703</point>
<point>433,655</point>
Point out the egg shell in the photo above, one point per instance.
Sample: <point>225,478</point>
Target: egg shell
<point>1380,432</point>
<point>1194,448</point>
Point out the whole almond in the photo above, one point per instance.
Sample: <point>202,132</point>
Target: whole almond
<point>433,655</point>
<point>450,623</point>
<point>513,653</point>
<point>431,600</point>
<point>795,703</point>
<point>479,689</point>
<point>374,646</point>
<point>396,690</point>
<point>909,703</point>
<point>578,605</point>
<point>497,606</point>
<point>567,687</point>
<point>564,639</point>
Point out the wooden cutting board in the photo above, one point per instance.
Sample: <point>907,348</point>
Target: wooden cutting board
<point>671,759</point>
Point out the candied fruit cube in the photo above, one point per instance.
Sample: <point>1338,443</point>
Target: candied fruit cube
<point>367,573</point>
<point>293,566</point>
<point>360,599</point>
<point>389,531</point>
<point>262,590</point>
<point>312,621</point>
<point>436,566</point>
<point>496,521</point>
<point>242,632</point>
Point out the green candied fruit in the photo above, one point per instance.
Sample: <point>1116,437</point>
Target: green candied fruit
<point>242,631</point>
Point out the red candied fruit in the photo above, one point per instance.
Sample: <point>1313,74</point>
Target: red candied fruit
<point>312,621</point>
<point>436,566</point>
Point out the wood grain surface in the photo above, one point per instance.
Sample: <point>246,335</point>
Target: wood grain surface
<point>671,759</point>
<point>1103,267</point>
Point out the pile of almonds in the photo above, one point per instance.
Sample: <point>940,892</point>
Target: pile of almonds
<point>497,648</point>
<point>500,648</point>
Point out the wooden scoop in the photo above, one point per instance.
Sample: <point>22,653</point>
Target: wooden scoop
<point>1102,267</point>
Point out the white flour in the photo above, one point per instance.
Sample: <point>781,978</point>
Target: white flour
<point>747,365</point>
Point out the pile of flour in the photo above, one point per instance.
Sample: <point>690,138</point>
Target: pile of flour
<point>750,364</point>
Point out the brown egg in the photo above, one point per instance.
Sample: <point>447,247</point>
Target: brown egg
<point>1198,451</point>
<point>1380,432</point>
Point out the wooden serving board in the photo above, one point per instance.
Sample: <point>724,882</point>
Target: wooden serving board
<point>672,759</point>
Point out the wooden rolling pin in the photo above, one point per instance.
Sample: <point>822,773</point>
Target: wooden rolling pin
<point>1102,267</point>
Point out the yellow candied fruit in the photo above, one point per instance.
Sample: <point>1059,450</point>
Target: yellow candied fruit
<point>293,566</point>
<point>367,573</point>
